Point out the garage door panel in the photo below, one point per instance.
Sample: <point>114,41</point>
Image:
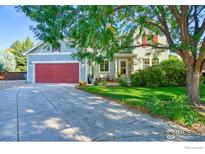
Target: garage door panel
<point>57,73</point>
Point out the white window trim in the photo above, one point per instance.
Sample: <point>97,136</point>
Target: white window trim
<point>143,64</point>
<point>152,39</point>
<point>52,62</point>
<point>155,64</point>
<point>108,68</point>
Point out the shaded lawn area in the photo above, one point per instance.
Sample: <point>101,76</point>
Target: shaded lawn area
<point>138,97</point>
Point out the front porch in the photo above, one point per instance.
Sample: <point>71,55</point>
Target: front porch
<point>121,66</point>
<point>124,65</point>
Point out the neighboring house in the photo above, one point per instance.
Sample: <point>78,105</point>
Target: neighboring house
<point>48,65</point>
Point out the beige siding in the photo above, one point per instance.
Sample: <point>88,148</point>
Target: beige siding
<point>140,53</point>
<point>149,53</point>
<point>111,73</point>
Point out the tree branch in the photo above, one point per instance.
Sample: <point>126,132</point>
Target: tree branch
<point>176,13</point>
<point>184,11</point>
<point>157,25</point>
<point>196,20</point>
<point>165,28</point>
<point>201,56</point>
<point>190,10</point>
<point>118,8</point>
<point>182,21</point>
<point>202,28</point>
<point>149,45</point>
<point>192,19</point>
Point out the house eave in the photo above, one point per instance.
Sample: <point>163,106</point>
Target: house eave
<point>125,55</point>
<point>33,48</point>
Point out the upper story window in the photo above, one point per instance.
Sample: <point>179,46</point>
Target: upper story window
<point>155,61</point>
<point>104,66</point>
<point>149,39</point>
<point>146,63</point>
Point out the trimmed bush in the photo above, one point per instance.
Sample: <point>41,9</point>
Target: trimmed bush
<point>100,83</point>
<point>122,82</point>
<point>167,73</point>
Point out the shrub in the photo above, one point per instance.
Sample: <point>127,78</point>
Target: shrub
<point>103,83</point>
<point>82,83</point>
<point>122,82</point>
<point>100,83</point>
<point>96,83</point>
<point>176,109</point>
<point>168,73</point>
<point>202,81</point>
<point>155,106</point>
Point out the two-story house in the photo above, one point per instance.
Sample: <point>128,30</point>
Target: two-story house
<point>125,63</point>
<point>48,65</point>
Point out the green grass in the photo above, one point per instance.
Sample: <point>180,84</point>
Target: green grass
<point>139,96</point>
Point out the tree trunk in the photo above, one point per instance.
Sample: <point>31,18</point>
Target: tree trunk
<point>193,82</point>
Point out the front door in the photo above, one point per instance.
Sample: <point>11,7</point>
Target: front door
<point>123,68</point>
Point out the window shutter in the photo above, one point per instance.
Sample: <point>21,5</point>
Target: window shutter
<point>155,39</point>
<point>144,41</point>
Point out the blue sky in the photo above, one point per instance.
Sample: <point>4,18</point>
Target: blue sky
<point>13,26</point>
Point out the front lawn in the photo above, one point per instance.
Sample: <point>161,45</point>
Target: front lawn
<point>138,97</point>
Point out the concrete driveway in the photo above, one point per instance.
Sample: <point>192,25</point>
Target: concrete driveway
<point>57,112</point>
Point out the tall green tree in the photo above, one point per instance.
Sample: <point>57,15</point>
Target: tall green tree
<point>108,29</point>
<point>27,44</point>
<point>18,48</point>
<point>7,61</point>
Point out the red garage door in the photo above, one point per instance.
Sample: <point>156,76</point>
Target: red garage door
<point>57,73</point>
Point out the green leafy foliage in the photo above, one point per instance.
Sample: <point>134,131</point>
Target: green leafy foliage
<point>105,30</point>
<point>167,102</point>
<point>176,109</point>
<point>122,82</point>
<point>155,106</point>
<point>7,61</point>
<point>203,79</point>
<point>18,48</point>
<point>167,73</point>
<point>100,83</point>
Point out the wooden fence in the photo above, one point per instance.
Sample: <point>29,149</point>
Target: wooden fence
<point>12,75</point>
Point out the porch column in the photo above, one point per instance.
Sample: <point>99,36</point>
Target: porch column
<point>116,67</point>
